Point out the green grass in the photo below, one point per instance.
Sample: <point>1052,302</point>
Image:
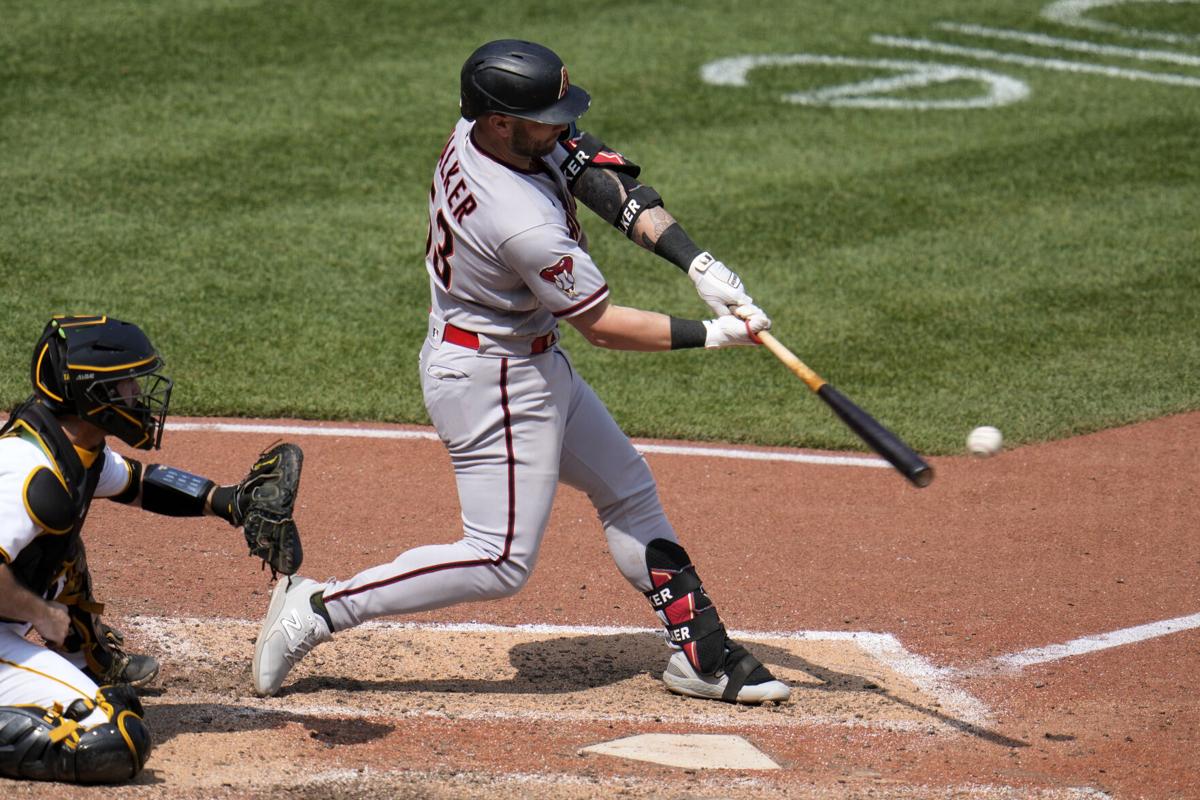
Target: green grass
<point>247,181</point>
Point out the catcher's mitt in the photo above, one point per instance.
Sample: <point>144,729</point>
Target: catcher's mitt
<point>263,507</point>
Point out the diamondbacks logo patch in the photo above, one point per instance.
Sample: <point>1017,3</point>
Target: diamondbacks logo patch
<point>563,84</point>
<point>562,276</point>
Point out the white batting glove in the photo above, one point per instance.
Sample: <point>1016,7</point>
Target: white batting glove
<point>731,331</point>
<point>718,285</point>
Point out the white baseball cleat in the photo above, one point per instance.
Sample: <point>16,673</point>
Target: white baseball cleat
<point>731,684</point>
<point>291,629</point>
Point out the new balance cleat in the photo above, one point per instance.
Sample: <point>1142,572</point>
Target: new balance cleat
<point>291,629</point>
<point>742,679</point>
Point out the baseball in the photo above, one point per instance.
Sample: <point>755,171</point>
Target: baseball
<point>984,441</point>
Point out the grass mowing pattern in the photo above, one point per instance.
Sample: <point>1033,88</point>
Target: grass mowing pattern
<point>247,181</point>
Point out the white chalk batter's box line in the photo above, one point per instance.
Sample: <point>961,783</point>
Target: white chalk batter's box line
<point>642,447</point>
<point>642,787</point>
<point>937,682</point>
<point>170,634</point>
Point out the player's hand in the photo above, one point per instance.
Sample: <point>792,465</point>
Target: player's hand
<point>731,331</point>
<point>54,623</point>
<point>718,285</point>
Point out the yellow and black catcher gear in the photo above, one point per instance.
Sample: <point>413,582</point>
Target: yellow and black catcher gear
<point>106,372</point>
<point>49,744</point>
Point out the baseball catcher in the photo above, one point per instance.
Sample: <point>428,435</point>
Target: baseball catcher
<point>508,263</point>
<point>69,710</point>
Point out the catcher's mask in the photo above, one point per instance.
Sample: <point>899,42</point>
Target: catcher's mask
<point>521,79</point>
<point>106,372</point>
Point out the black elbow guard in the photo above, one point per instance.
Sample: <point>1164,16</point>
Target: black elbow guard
<point>585,150</point>
<point>637,201</point>
<point>173,492</point>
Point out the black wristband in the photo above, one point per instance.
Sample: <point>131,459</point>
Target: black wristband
<point>687,333</point>
<point>224,503</point>
<point>677,247</point>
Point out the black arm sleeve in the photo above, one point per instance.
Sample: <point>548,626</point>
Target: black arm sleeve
<point>173,492</point>
<point>677,247</point>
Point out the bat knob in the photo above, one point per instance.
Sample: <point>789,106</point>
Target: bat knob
<point>922,477</point>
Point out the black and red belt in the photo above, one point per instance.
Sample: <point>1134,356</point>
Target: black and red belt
<point>470,339</point>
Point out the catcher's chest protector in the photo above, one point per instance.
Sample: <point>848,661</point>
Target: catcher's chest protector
<point>59,511</point>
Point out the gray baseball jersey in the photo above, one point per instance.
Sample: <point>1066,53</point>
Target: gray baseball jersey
<point>506,259</point>
<point>505,254</point>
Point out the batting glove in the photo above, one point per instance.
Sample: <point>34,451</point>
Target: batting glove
<point>718,285</point>
<point>731,331</point>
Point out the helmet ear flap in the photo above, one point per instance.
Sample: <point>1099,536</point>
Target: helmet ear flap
<point>48,368</point>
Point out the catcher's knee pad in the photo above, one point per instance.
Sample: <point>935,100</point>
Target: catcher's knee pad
<point>691,618</point>
<point>122,697</point>
<point>50,745</point>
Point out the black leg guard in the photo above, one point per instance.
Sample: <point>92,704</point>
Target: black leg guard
<point>692,621</point>
<point>122,697</point>
<point>691,618</point>
<point>36,744</point>
<point>25,747</point>
<point>113,752</point>
<point>106,660</point>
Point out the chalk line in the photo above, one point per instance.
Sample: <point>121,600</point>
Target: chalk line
<point>642,447</point>
<point>1086,644</point>
<point>172,635</point>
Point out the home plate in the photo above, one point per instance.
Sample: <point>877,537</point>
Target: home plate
<point>690,751</point>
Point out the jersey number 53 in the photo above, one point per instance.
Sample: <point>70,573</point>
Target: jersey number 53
<point>438,249</point>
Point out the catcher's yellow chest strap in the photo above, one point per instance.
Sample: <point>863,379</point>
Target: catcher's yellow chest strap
<point>86,457</point>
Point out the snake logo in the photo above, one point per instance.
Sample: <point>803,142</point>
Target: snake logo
<point>561,275</point>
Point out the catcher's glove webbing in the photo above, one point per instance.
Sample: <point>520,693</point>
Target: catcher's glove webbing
<point>263,507</point>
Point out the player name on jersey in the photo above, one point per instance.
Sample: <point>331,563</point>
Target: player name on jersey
<point>448,170</point>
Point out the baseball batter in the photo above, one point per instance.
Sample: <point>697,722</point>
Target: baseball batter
<point>507,261</point>
<point>69,712</point>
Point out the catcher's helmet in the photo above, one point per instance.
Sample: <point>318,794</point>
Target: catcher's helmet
<point>105,371</point>
<point>520,79</point>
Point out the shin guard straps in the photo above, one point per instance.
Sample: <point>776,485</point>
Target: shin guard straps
<point>691,619</point>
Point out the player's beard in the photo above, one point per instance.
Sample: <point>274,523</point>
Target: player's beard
<point>527,146</point>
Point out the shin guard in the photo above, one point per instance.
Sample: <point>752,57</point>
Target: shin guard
<point>104,657</point>
<point>50,744</point>
<point>690,617</point>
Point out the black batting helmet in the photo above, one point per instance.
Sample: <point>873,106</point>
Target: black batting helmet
<point>106,372</point>
<point>520,79</point>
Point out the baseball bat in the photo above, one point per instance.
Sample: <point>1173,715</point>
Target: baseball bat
<point>877,437</point>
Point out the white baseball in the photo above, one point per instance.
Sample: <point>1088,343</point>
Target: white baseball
<point>984,441</point>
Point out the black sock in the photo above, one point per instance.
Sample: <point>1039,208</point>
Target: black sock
<point>318,605</point>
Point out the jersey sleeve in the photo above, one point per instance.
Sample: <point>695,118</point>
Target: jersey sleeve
<point>559,272</point>
<point>114,475</point>
<point>17,528</point>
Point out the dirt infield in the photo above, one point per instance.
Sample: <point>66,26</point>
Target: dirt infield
<point>914,625</point>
